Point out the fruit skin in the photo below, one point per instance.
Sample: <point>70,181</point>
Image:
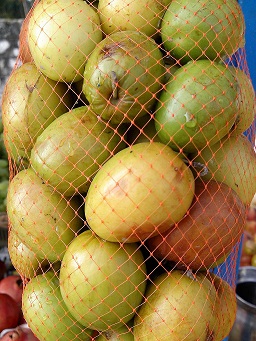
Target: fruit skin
<point>232,161</point>
<point>56,29</point>
<point>102,283</point>
<point>198,107</point>
<point>9,312</point>
<point>246,101</point>
<point>202,30</point>
<point>179,304</point>
<point>45,221</point>
<point>42,302</point>
<point>123,75</point>
<point>72,149</point>
<point>123,202</point>
<point>24,259</point>
<point>123,333</point>
<point>127,15</point>
<point>26,112</point>
<point>212,226</point>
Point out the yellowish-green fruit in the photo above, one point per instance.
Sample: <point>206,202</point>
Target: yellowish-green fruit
<point>72,149</point>
<point>180,306</point>
<point>123,333</point>
<point>46,313</point>
<point>44,220</point>
<point>232,160</point>
<point>140,192</point>
<point>61,35</point>
<point>102,283</point>
<point>123,15</point>
<point>31,101</point>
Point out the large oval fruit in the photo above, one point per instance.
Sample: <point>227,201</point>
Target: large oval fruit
<point>102,283</point>
<point>72,149</point>
<point>179,304</point>
<point>123,15</point>
<point>61,35</point>
<point>198,107</point>
<point>123,75</point>
<point>140,192</point>
<point>44,220</point>
<point>232,161</point>
<point>207,234</point>
<point>46,313</point>
<point>30,103</point>
<point>202,29</point>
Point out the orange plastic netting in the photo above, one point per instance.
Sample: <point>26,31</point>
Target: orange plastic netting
<point>130,173</point>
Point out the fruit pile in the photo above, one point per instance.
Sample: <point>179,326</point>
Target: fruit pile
<point>4,171</point>
<point>131,176</point>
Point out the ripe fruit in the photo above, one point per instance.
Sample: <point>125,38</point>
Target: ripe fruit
<point>72,149</point>
<point>9,312</point>
<point>19,334</point>
<point>102,283</point>
<point>123,75</point>
<point>46,313</point>
<point>232,161</point>
<point>212,226</point>
<point>198,107</point>
<point>205,29</point>
<point>61,36</point>
<point>30,103</point>
<point>44,221</point>
<point>140,192</point>
<point>180,304</point>
<point>123,333</point>
<point>12,285</point>
<point>127,15</point>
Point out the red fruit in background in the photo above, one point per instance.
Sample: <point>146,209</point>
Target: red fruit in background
<point>9,312</point>
<point>12,286</point>
<point>19,334</point>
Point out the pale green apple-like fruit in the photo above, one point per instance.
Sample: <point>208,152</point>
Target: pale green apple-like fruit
<point>31,101</point>
<point>61,35</point>
<point>46,312</point>
<point>71,150</point>
<point>123,75</point>
<point>44,220</point>
<point>198,107</point>
<point>102,283</point>
<point>204,29</point>
<point>128,15</point>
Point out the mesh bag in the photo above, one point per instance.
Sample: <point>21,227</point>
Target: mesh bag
<point>130,173</point>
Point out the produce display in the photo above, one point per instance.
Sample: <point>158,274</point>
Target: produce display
<point>4,171</point>
<point>130,177</point>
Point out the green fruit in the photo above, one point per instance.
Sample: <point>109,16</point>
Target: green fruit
<point>72,149</point>
<point>202,29</point>
<point>232,161</point>
<point>178,306</point>
<point>128,15</point>
<point>141,191</point>
<point>31,102</point>
<point>4,188</point>
<point>44,220</point>
<point>123,333</point>
<point>198,107</point>
<point>122,76</point>
<point>102,283</point>
<point>61,35</point>
<point>46,313</point>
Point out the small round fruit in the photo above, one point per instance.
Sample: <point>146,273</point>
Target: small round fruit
<point>61,36</point>
<point>140,192</point>
<point>46,313</point>
<point>102,283</point>
<point>203,29</point>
